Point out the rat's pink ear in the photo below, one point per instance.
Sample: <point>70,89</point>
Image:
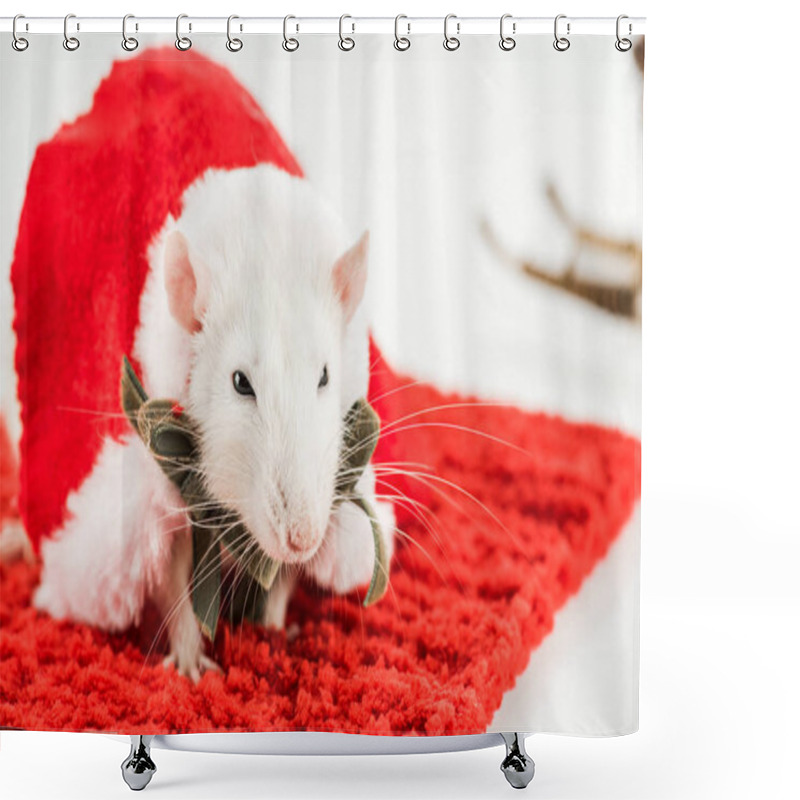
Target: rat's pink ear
<point>180,279</point>
<point>350,276</point>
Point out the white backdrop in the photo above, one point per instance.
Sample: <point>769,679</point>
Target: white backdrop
<point>720,602</point>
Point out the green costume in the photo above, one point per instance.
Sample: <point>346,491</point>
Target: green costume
<point>173,439</point>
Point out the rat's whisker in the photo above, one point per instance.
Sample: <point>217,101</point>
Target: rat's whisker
<point>411,540</point>
<point>429,479</point>
<point>425,523</point>
<point>93,412</point>
<point>395,426</point>
<point>414,507</point>
<point>397,389</point>
<point>463,429</point>
<point>445,407</point>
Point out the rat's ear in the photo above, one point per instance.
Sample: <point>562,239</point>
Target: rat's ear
<point>181,282</point>
<point>350,276</point>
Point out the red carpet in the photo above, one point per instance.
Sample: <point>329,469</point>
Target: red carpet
<point>470,597</point>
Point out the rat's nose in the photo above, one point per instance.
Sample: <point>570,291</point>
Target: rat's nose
<point>302,539</point>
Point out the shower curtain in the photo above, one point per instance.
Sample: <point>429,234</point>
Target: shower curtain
<point>320,386</point>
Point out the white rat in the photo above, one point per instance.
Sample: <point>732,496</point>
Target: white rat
<point>251,317</point>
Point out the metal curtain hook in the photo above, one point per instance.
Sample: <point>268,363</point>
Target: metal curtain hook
<point>233,44</point>
<point>451,42</point>
<point>182,42</point>
<point>623,45</point>
<point>346,42</point>
<point>289,44</point>
<point>507,42</point>
<point>129,43</point>
<point>19,43</point>
<point>71,43</point>
<point>561,43</point>
<point>401,42</point>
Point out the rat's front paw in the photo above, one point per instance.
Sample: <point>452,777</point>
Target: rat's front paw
<point>186,650</point>
<point>277,600</point>
<point>347,555</point>
<point>191,666</point>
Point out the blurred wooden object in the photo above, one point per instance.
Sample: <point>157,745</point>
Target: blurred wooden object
<point>622,299</point>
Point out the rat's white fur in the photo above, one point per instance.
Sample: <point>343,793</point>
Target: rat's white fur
<point>263,248</point>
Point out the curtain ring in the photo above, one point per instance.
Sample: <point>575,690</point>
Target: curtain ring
<point>71,43</point>
<point>289,44</point>
<point>19,43</point>
<point>182,42</point>
<point>451,42</point>
<point>233,44</point>
<point>401,43</point>
<point>507,42</point>
<point>129,43</point>
<point>561,43</point>
<point>623,45</point>
<point>346,43</point>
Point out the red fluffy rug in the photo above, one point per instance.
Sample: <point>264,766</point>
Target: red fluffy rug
<point>504,515</point>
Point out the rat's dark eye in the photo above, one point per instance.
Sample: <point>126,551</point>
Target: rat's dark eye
<point>242,384</point>
<point>323,381</point>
